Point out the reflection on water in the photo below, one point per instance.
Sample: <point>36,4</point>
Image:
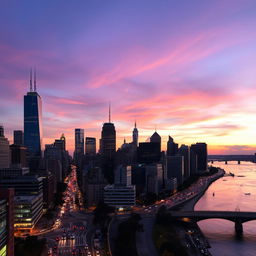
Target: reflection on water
<point>231,194</point>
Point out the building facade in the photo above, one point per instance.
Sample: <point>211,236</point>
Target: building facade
<point>18,137</point>
<point>4,150</point>
<point>90,146</point>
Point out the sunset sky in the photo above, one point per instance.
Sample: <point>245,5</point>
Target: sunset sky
<point>187,68</point>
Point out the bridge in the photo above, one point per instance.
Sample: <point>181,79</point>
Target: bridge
<point>237,217</point>
<point>227,158</point>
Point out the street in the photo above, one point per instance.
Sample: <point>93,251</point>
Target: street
<point>73,232</point>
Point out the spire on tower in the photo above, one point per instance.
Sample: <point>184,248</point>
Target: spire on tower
<point>135,124</point>
<point>30,82</point>
<point>109,113</point>
<point>34,80</point>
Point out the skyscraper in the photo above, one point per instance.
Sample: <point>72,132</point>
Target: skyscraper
<point>90,146</point>
<point>4,150</point>
<point>184,151</point>
<point>135,135</point>
<point>172,147</point>
<point>108,148</point>
<point>79,143</point>
<point>156,138</point>
<point>202,158</point>
<point>33,121</point>
<point>18,137</point>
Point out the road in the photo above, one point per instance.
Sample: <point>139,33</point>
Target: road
<point>73,231</point>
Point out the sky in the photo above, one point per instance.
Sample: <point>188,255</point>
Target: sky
<point>184,68</point>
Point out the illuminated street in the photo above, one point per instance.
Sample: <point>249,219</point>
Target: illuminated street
<point>73,229</point>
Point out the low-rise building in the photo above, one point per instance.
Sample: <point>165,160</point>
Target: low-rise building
<point>120,196</point>
<point>27,211</point>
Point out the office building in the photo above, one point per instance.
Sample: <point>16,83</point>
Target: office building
<point>94,183</point>
<point>172,147</point>
<point>27,212</point>
<point>18,137</point>
<point>149,152</point>
<point>139,178</point>
<point>121,197</point>
<point>24,185</point>
<point>154,178</point>
<point>79,144</point>
<point>184,151</point>
<point>123,175</point>
<point>33,125</point>
<point>135,135</point>
<point>18,156</point>
<point>4,150</point>
<point>56,158</point>
<point>108,149</point>
<point>61,143</point>
<point>6,222</point>
<point>13,172</point>
<point>193,163</point>
<point>175,168</point>
<point>90,146</point>
<point>202,157</point>
<point>156,138</point>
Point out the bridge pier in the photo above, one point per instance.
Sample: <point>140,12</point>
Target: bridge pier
<point>239,228</point>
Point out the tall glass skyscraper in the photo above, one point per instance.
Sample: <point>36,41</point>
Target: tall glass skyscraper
<point>33,121</point>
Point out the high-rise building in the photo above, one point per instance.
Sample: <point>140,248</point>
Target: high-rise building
<point>18,155</point>
<point>61,143</point>
<point>135,135</point>
<point>4,150</point>
<point>79,144</point>
<point>202,158</point>
<point>90,146</point>
<point>172,147</point>
<point>94,183</point>
<point>108,149</point>
<point>175,168</point>
<point>156,138</point>
<point>193,163</point>
<point>149,152</point>
<point>123,175</point>
<point>18,137</point>
<point>33,133</point>
<point>185,152</point>
<point>154,178</point>
<point>6,222</point>
<point>53,162</point>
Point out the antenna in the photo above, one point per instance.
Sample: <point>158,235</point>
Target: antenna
<point>34,80</point>
<point>135,124</point>
<point>109,113</point>
<point>30,82</point>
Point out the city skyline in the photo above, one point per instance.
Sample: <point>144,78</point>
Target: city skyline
<point>173,66</point>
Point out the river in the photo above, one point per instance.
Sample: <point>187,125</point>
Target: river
<point>230,195</point>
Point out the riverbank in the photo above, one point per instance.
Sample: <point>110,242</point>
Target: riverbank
<point>193,237</point>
